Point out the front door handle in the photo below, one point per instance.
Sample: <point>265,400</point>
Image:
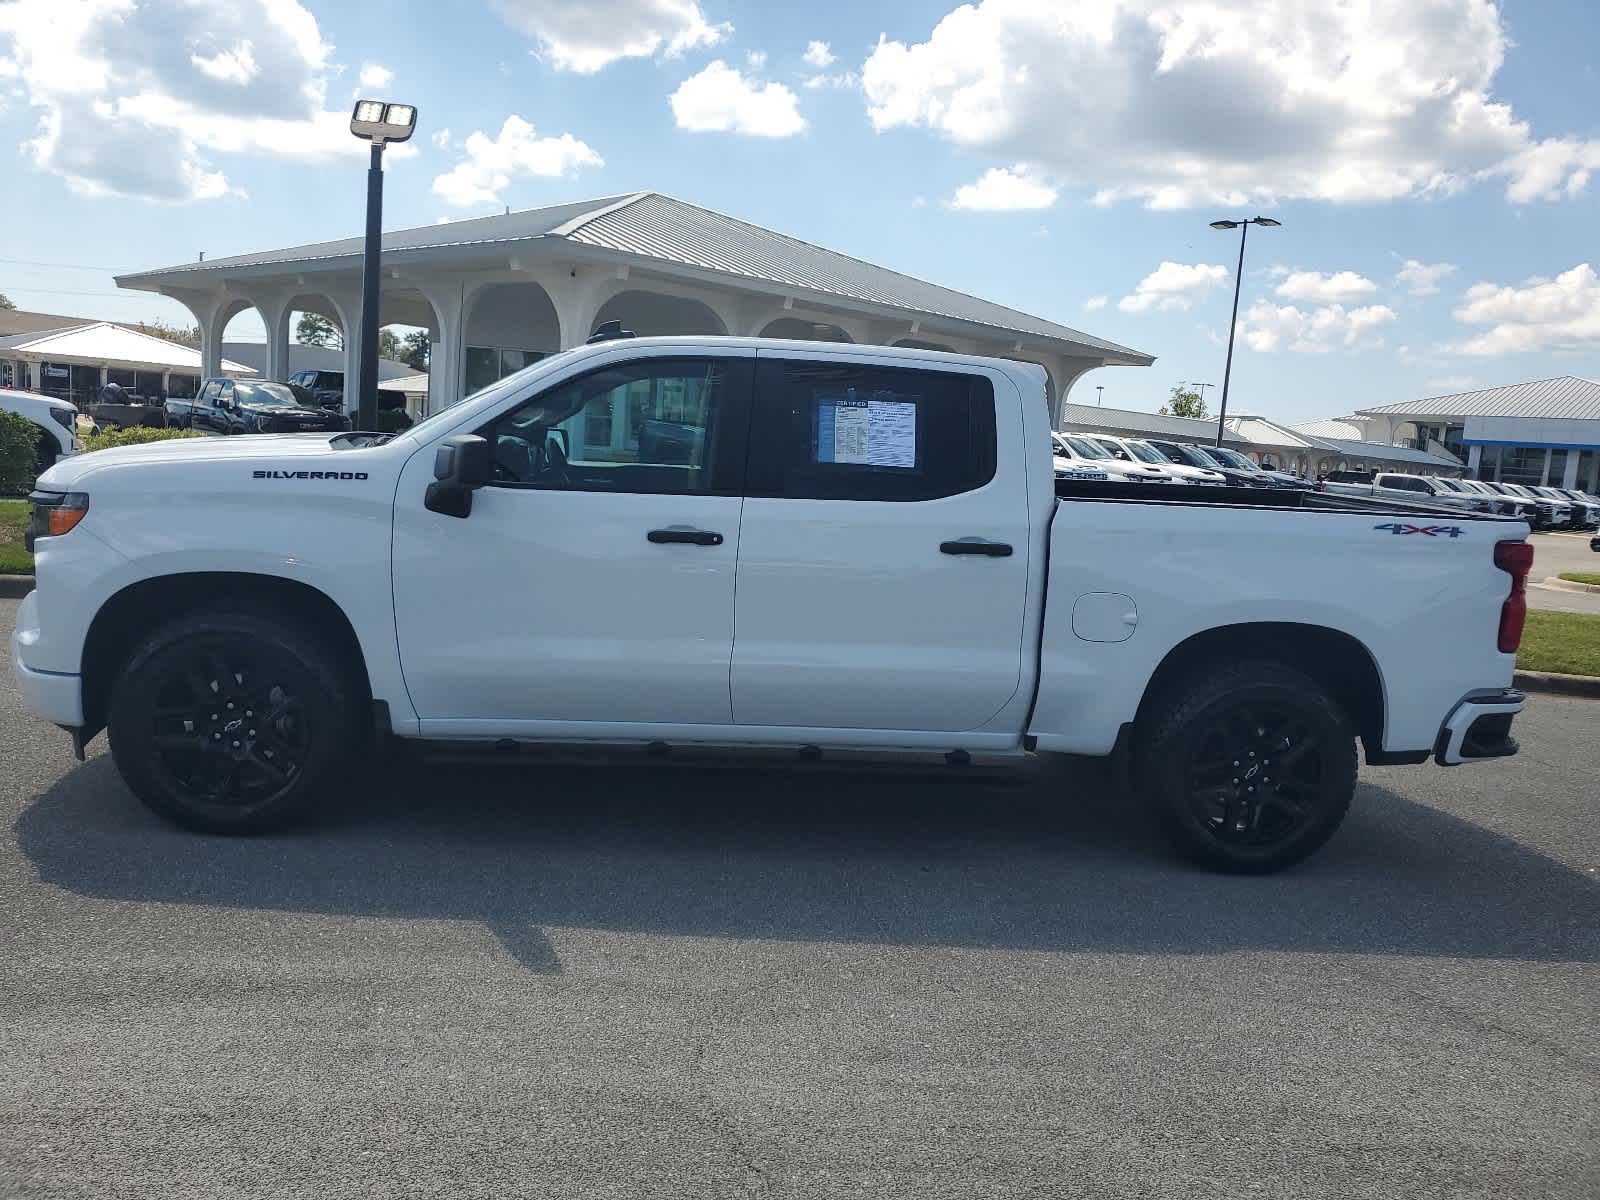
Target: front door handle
<point>677,533</point>
<point>976,545</point>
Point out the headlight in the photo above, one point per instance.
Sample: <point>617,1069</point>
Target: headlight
<point>55,514</point>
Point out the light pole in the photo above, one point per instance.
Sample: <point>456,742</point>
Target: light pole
<point>1238,277</point>
<point>1099,393</point>
<point>1202,387</point>
<point>378,122</point>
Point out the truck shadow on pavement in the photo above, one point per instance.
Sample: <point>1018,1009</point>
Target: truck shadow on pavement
<point>1034,861</point>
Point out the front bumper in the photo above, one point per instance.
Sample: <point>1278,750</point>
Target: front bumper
<point>55,697</point>
<point>1479,728</point>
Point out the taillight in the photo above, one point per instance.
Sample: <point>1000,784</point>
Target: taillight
<point>1516,559</point>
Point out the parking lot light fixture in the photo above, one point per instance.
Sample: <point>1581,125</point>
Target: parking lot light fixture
<point>1238,277</point>
<point>378,122</point>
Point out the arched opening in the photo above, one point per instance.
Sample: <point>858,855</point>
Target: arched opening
<point>919,344</point>
<point>317,359</point>
<point>509,326</point>
<point>654,314</point>
<point>407,330</point>
<point>805,331</point>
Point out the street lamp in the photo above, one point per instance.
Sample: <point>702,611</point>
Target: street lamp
<point>378,122</point>
<point>1202,387</point>
<point>1238,277</point>
<point>1099,393</point>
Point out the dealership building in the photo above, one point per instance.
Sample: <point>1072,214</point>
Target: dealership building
<point>1546,431</point>
<point>497,293</point>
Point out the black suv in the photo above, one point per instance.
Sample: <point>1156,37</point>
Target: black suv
<point>326,387</point>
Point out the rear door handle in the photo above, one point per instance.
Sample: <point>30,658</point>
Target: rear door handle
<point>976,545</point>
<point>677,533</point>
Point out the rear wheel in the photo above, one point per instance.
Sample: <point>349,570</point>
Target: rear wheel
<point>231,722</point>
<point>1249,767</point>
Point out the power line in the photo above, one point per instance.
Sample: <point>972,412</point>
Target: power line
<point>128,295</point>
<point>34,262</point>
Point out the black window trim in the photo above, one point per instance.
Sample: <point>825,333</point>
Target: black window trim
<point>727,470</point>
<point>768,359</point>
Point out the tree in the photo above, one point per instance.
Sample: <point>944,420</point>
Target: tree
<point>312,329</point>
<point>1184,403</point>
<point>182,335</point>
<point>388,344</point>
<point>417,349</point>
<point>5,303</point>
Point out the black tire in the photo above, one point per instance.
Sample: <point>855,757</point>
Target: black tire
<point>232,722</point>
<point>1212,781</point>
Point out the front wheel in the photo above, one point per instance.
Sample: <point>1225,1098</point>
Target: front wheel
<point>231,722</point>
<point>1249,767</point>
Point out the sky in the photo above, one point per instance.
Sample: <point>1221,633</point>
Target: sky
<point>1431,161</point>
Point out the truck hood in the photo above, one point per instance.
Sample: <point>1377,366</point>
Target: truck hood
<point>66,474</point>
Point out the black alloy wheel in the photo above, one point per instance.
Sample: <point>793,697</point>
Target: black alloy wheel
<point>232,722</point>
<point>1249,767</point>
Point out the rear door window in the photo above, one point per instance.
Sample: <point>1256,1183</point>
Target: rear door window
<point>847,431</point>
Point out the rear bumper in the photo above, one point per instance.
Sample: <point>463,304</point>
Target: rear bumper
<point>1479,728</point>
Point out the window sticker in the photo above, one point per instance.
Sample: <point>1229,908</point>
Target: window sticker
<point>870,433</point>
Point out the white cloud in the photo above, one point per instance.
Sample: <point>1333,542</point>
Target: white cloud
<point>441,138</point>
<point>1268,327</point>
<point>581,36</point>
<point>845,79</point>
<point>1002,190</point>
<point>755,59</point>
<point>491,163</point>
<point>721,100</point>
<point>1179,103</point>
<point>133,98</point>
<point>819,55</point>
<point>1544,314</point>
<point>1173,286</point>
<point>1325,289</point>
<point>1095,303</point>
<point>1453,383</point>
<point>1422,279</point>
<point>374,76</point>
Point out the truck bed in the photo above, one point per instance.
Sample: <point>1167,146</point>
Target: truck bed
<point>1290,499</point>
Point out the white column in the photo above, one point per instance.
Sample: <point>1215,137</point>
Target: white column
<point>1569,477</point>
<point>1474,456</point>
<point>211,344</point>
<point>1544,470</point>
<point>277,343</point>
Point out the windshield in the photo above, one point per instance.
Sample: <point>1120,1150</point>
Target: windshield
<point>1450,485</point>
<point>1230,458</point>
<point>1190,456</point>
<point>1086,448</point>
<point>1145,453</point>
<point>1168,451</point>
<point>266,393</point>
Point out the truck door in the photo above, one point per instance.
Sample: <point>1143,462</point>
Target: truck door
<point>593,580</point>
<point>883,558</point>
<point>204,412</point>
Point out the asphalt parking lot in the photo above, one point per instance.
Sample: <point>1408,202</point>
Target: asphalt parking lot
<point>683,980</point>
<point>1554,553</point>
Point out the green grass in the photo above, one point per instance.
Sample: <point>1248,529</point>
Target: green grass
<point>14,516</point>
<point>1568,643</point>
<point>1579,577</point>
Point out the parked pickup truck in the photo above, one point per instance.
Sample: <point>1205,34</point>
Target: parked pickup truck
<point>866,549</point>
<point>224,405</point>
<point>114,407</point>
<point>1393,485</point>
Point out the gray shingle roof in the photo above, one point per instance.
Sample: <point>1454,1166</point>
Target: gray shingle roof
<point>1385,453</point>
<point>1563,396</point>
<point>648,225</point>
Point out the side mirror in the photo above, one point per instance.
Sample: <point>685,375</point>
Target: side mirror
<point>461,465</point>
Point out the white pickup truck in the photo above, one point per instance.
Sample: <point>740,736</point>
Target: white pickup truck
<point>757,543</point>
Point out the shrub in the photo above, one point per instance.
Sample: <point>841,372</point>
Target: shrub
<point>134,437</point>
<point>19,454</point>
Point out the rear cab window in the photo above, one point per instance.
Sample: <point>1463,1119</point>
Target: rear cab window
<point>825,430</point>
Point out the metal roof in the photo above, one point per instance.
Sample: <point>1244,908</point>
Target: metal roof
<point>650,226</point>
<point>1386,453</point>
<point>1569,396</point>
<point>103,342</point>
<point>1332,428</point>
<point>1127,422</point>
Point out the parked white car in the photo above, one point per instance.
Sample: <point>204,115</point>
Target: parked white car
<point>790,544</point>
<point>57,421</point>
<point>1120,470</point>
<point>1135,450</point>
<point>1069,464</point>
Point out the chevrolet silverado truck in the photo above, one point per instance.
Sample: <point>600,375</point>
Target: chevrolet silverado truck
<point>228,406</point>
<point>864,547</point>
